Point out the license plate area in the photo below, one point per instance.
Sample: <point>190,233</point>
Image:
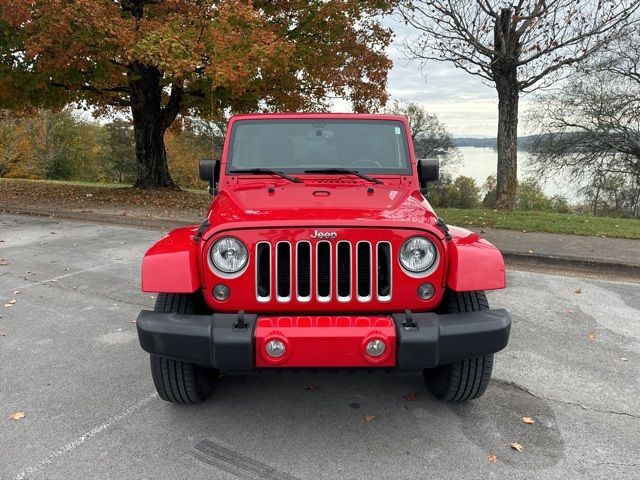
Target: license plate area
<point>325,341</point>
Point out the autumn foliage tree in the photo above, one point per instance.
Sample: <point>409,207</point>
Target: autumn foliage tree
<point>162,58</point>
<point>516,46</point>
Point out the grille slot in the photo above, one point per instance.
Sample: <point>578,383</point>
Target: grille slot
<point>364,270</point>
<point>344,270</point>
<point>283,270</point>
<point>263,271</point>
<point>303,266</point>
<point>324,270</point>
<point>384,270</point>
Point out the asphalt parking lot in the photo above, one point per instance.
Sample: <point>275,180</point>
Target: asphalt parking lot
<point>70,360</point>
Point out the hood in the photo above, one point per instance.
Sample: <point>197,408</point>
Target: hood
<point>337,203</point>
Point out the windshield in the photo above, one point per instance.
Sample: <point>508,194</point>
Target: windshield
<point>368,146</point>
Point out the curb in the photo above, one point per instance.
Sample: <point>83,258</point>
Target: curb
<point>159,223</point>
<point>573,264</point>
<point>558,263</point>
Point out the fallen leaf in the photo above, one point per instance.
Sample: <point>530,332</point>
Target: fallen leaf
<point>591,336</point>
<point>369,418</point>
<point>492,458</point>
<point>516,446</point>
<point>16,292</point>
<point>624,359</point>
<point>13,301</point>
<point>53,233</point>
<point>311,388</point>
<point>578,290</point>
<point>524,231</point>
<point>528,420</point>
<point>17,415</point>
<point>411,396</point>
<point>8,305</point>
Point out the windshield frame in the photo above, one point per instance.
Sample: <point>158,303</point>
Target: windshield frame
<point>299,170</point>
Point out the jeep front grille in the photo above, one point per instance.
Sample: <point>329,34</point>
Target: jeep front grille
<point>324,270</point>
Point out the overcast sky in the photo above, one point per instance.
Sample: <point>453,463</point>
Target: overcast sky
<point>462,101</point>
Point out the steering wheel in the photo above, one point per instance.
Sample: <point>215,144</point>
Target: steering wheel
<point>364,162</point>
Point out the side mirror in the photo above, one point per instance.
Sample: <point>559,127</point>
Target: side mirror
<point>210,172</point>
<point>428,171</point>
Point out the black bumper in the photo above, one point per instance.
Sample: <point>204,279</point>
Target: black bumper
<point>425,340</point>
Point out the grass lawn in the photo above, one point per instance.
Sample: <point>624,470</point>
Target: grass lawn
<point>189,205</point>
<point>192,204</point>
<point>551,222</point>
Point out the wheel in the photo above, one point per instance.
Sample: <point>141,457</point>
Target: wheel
<point>466,379</point>
<point>176,381</point>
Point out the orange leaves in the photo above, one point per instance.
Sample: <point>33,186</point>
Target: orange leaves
<point>16,14</point>
<point>516,446</point>
<point>410,397</point>
<point>249,55</point>
<point>17,416</point>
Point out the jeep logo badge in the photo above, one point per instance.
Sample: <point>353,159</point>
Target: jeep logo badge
<point>317,234</point>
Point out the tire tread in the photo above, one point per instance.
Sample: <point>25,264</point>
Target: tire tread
<point>465,379</point>
<point>176,381</point>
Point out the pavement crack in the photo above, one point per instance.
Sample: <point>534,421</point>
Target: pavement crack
<point>564,402</point>
<point>54,284</point>
<point>618,464</point>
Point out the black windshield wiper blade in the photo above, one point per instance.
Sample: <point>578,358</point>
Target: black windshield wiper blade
<point>268,171</point>
<point>344,170</point>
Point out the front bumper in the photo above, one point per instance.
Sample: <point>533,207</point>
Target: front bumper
<point>235,342</point>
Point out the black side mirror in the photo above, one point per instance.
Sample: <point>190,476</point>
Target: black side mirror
<point>210,172</point>
<point>428,171</point>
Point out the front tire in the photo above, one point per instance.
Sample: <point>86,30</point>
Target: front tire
<point>465,379</point>
<point>176,381</point>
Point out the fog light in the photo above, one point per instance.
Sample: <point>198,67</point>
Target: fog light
<point>375,348</point>
<point>426,291</point>
<point>221,292</point>
<point>275,348</point>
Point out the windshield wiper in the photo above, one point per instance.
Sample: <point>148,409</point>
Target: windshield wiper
<point>344,170</point>
<point>268,171</point>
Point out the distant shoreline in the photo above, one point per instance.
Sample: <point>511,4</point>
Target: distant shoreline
<point>492,143</point>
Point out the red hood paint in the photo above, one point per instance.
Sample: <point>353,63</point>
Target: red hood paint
<point>319,203</point>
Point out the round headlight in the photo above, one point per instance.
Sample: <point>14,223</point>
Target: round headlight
<point>229,255</point>
<point>418,254</point>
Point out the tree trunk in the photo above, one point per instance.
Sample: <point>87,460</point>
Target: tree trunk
<point>507,174</point>
<point>150,121</point>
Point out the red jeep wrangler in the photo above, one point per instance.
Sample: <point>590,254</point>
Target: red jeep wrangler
<point>320,250</point>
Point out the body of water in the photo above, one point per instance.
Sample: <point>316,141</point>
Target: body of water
<point>479,163</point>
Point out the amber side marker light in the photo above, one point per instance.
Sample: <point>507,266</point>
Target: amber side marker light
<point>426,291</point>
<point>221,292</point>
